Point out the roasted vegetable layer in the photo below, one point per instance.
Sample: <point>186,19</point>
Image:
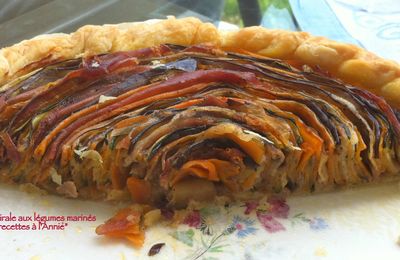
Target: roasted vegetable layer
<point>170,123</point>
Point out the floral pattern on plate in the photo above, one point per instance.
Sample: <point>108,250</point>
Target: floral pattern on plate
<point>206,239</point>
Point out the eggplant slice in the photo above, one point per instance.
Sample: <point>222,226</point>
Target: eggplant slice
<point>172,123</point>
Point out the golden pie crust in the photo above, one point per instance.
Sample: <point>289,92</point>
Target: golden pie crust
<point>347,62</point>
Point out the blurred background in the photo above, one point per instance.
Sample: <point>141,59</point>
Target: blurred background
<point>372,24</point>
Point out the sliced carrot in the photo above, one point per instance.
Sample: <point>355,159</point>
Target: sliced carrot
<point>125,220</point>
<point>202,168</point>
<point>176,86</point>
<point>118,178</point>
<point>252,148</point>
<point>124,143</point>
<point>139,189</point>
<point>312,144</point>
<point>129,121</point>
<point>41,148</point>
<point>360,146</point>
<point>226,170</point>
<point>66,155</point>
<point>249,182</point>
<point>105,153</point>
<point>125,224</point>
<point>137,240</point>
<point>309,116</point>
<point>187,103</point>
<point>210,169</point>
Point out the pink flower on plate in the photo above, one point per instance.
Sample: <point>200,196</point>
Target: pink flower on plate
<point>250,206</point>
<point>193,219</point>
<point>269,222</point>
<point>278,207</point>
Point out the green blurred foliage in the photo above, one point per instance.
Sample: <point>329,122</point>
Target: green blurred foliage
<point>279,4</point>
<point>231,12</point>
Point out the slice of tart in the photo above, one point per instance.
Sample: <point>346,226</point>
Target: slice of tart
<point>174,111</point>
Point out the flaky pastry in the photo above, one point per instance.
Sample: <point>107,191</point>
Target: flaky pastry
<point>345,61</point>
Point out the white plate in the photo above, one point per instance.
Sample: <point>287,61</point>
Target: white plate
<point>362,223</point>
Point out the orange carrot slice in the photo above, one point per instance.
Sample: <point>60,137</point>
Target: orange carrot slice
<point>139,189</point>
<point>125,224</point>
